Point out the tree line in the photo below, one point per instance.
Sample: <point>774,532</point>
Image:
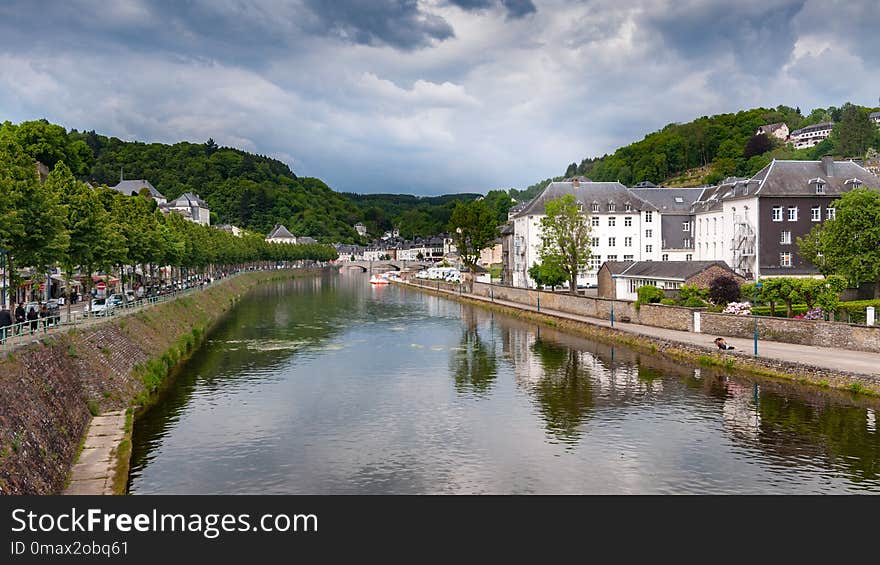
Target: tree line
<point>67,223</point>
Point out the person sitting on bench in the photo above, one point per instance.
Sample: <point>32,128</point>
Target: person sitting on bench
<point>719,341</point>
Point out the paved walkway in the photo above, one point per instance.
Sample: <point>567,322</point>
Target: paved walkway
<point>860,362</point>
<point>95,469</point>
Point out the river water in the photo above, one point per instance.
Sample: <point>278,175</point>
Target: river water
<point>327,385</point>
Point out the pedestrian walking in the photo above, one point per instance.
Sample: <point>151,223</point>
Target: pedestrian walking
<point>33,316</point>
<point>20,317</point>
<point>44,314</point>
<point>5,322</point>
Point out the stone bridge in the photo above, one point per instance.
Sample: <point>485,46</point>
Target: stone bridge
<point>382,266</point>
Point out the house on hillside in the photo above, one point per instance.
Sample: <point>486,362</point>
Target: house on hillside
<point>279,234</point>
<point>234,230</point>
<point>778,130</point>
<point>875,117</point>
<point>811,136</point>
<point>621,280</point>
<point>135,187</point>
<point>191,207</point>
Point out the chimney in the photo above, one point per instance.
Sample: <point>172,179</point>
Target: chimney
<point>828,165</point>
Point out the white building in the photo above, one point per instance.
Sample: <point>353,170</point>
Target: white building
<point>361,229</point>
<point>811,136</point>
<point>875,117</point>
<point>675,206</point>
<point>624,228</point>
<point>136,187</point>
<point>280,234</point>
<point>777,130</point>
<point>191,207</point>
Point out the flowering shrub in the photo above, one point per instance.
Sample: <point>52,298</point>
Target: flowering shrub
<point>738,308</point>
<point>815,314</point>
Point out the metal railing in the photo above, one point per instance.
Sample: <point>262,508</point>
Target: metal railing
<point>29,331</point>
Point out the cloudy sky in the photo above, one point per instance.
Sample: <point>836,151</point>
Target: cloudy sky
<point>425,96</point>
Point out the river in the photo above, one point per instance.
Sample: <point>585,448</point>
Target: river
<point>327,385</point>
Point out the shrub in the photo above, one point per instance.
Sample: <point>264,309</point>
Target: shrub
<point>694,302</point>
<point>738,309</point>
<point>688,291</point>
<point>815,314</point>
<point>668,302</point>
<point>723,290</point>
<point>649,294</point>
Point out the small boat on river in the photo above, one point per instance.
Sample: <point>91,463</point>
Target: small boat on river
<point>378,279</point>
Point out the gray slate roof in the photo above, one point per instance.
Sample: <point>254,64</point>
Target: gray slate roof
<point>670,200</point>
<point>279,231</point>
<point>189,199</point>
<point>305,239</point>
<point>814,127</point>
<point>133,187</point>
<point>873,115</point>
<point>793,178</point>
<point>670,270</point>
<point>587,193</point>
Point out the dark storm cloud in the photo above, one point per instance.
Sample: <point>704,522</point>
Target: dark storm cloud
<point>398,23</point>
<point>759,35</point>
<point>515,8</point>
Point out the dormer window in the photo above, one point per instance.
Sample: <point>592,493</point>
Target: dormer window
<point>627,207</point>
<point>612,207</point>
<point>820,188</point>
<point>853,183</point>
<point>595,207</point>
<point>580,206</point>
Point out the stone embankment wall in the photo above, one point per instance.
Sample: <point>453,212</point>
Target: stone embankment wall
<point>49,390</point>
<point>805,332</point>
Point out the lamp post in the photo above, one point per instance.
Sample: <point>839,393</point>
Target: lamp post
<point>758,286</point>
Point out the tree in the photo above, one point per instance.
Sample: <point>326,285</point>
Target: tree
<point>473,229</point>
<point>723,290</point>
<point>565,237</point>
<point>757,145</point>
<point>548,272</point>
<point>855,132</point>
<point>847,244</point>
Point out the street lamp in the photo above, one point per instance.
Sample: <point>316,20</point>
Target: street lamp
<point>758,285</point>
<point>613,296</point>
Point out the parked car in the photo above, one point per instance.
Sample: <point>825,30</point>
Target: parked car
<point>100,307</point>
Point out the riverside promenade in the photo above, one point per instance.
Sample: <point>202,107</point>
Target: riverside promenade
<point>826,358</point>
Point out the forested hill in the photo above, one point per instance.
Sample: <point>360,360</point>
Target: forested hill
<point>243,189</point>
<point>711,148</point>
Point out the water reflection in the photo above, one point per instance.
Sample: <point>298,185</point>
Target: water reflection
<point>327,385</point>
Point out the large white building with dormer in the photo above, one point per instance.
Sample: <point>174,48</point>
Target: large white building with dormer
<point>624,227</point>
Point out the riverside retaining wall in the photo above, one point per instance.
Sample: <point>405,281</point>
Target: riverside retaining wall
<point>49,390</point>
<point>804,332</point>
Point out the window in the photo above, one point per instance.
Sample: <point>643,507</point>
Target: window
<point>627,207</point>
<point>649,234</point>
<point>627,257</point>
<point>611,241</point>
<point>816,214</point>
<point>649,249</point>
<point>594,242</point>
<point>595,262</point>
<point>689,257</point>
<point>612,207</point>
<point>687,243</point>
<point>648,217</point>
<point>612,257</point>
<point>627,242</point>
<point>820,188</point>
<point>792,214</point>
<point>785,238</point>
<point>830,213</point>
<point>785,259</point>
<point>612,220</point>
<point>594,221</point>
<point>777,213</point>
<point>665,257</point>
<point>714,225</point>
<point>595,207</point>
<point>628,221</point>
<point>686,226</point>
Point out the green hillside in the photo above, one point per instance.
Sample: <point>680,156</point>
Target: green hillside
<point>711,148</point>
